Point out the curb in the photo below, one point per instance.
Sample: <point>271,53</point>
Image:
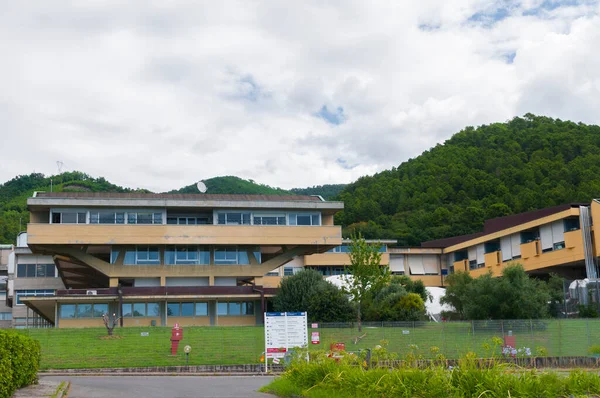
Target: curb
<point>125,374</point>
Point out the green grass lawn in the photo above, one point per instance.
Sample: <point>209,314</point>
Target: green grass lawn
<point>86,348</point>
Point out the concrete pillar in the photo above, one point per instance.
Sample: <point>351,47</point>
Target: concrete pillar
<point>163,281</point>
<point>113,282</point>
<point>211,280</point>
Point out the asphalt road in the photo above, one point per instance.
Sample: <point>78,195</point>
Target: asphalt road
<point>164,386</point>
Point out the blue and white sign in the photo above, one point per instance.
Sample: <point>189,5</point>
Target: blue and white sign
<point>283,331</point>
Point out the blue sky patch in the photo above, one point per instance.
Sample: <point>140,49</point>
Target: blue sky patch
<point>550,5</point>
<point>336,117</point>
<point>488,18</point>
<point>345,165</point>
<point>509,57</point>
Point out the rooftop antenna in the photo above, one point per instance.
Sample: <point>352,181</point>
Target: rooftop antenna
<point>201,186</point>
<point>59,165</point>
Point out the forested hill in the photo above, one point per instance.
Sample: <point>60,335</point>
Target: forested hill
<point>14,193</point>
<point>233,185</point>
<point>494,170</point>
<point>327,191</point>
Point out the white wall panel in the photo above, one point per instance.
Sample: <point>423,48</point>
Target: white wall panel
<point>506,248</point>
<point>415,263</point>
<point>546,236</point>
<point>515,242</point>
<point>397,263</point>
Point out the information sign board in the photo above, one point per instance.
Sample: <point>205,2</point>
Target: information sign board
<point>283,331</point>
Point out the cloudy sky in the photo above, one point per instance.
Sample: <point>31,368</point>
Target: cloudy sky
<point>159,94</point>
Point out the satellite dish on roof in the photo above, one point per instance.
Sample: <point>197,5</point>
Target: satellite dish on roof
<point>201,186</point>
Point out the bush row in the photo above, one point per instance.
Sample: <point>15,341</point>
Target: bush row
<point>19,362</point>
<point>332,378</point>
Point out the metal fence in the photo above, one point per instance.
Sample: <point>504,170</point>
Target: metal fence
<point>151,346</point>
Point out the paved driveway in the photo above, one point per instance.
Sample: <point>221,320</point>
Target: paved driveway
<point>164,386</point>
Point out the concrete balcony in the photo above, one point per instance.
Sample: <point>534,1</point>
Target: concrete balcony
<point>86,234</point>
<point>462,265</point>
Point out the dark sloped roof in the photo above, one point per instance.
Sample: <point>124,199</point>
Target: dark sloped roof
<point>455,240</point>
<point>500,223</point>
<point>177,196</point>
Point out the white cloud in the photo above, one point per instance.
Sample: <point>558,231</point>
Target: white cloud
<point>157,95</point>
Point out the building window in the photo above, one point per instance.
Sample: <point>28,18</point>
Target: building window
<point>144,218</point>
<point>196,220</point>
<point>235,308</point>
<point>233,218</point>
<point>268,219</point>
<point>5,316</point>
<point>142,255</point>
<point>461,255</point>
<point>36,271</point>
<point>68,217</point>
<point>138,310</point>
<point>32,293</point>
<point>305,219</point>
<point>530,236</point>
<point>107,217</point>
<point>492,246</point>
<point>187,309</point>
<point>193,255</point>
<point>226,255</point>
<point>87,310</point>
<point>571,224</point>
<point>272,273</point>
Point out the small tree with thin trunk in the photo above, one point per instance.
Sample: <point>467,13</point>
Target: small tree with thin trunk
<point>110,324</point>
<point>367,273</point>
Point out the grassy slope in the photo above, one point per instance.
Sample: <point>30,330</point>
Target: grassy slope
<point>83,348</point>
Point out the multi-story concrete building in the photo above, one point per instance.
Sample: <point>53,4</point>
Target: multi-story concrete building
<point>31,275</point>
<point>214,259</point>
<point>561,239</point>
<point>160,259</point>
<point>5,310</point>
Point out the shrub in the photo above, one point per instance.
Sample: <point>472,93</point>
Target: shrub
<point>19,362</point>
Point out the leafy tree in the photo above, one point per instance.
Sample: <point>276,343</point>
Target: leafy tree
<point>457,292</point>
<point>515,295</point>
<point>394,303</point>
<point>367,273</point>
<point>308,291</point>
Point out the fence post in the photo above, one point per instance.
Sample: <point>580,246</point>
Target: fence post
<point>473,330</point>
<point>559,338</point>
<point>532,336</point>
<point>587,326</point>
<point>502,326</point>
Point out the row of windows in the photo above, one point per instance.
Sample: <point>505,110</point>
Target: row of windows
<point>187,309</point>
<point>95,310</point>
<point>346,249</point>
<point>235,308</point>
<point>137,310</point>
<point>36,271</point>
<point>185,255</point>
<point>106,217</point>
<point>153,217</point>
<point>32,293</point>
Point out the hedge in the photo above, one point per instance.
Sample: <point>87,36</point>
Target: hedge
<point>19,362</point>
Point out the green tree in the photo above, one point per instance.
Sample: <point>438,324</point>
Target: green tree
<point>308,291</point>
<point>457,292</point>
<point>368,275</point>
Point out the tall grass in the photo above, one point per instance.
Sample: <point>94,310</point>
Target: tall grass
<point>328,377</point>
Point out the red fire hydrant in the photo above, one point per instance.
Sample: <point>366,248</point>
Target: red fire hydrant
<point>176,337</point>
